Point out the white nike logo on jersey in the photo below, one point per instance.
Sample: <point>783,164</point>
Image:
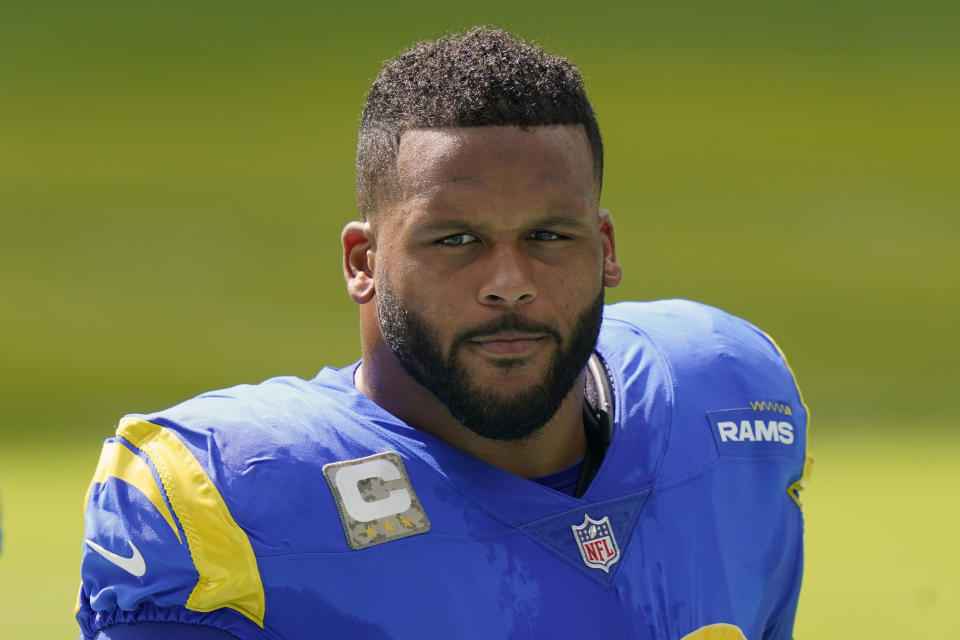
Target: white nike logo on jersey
<point>134,564</point>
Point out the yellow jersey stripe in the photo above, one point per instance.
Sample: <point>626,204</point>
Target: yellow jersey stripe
<point>220,549</point>
<point>794,489</point>
<point>116,461</point>
<point>719,631</point>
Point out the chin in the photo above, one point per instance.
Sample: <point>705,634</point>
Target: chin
<point>510,377</point>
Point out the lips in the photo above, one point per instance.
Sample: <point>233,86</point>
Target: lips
<point>508,343</point>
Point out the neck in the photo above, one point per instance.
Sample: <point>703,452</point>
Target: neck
<point>556,445</point>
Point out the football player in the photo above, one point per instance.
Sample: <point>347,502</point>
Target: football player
<point>509,458</point>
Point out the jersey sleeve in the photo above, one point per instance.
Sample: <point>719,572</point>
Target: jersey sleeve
<point>160,544</point>
<point>781,628</point>
<point>738,438</point>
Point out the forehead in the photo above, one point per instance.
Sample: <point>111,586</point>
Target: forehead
<point>500,158</point>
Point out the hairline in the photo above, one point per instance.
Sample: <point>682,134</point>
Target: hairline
<point>390,179</point>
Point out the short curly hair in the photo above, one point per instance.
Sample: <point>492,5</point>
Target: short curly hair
<point>484,77</point>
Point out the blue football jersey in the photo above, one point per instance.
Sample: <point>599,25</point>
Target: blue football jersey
<point>301,509</point>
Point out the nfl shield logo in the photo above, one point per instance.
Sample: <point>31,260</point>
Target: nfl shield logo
<point>597,544</point>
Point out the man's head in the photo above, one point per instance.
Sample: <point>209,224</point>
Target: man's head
<point>482,245</point>
<point>485,77</point>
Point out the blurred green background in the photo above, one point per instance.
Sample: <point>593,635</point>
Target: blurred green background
<point>174,177</point>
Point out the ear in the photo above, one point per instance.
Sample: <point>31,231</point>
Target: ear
<point>359,249</point>
<point>612,273</point>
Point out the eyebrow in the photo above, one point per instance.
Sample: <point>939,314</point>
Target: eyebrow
<point>456,179</point>
<point>441,226</point>
<point>560,221</point>
<point>459,224</point>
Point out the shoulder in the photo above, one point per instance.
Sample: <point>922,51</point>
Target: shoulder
<point>713,370</point>
<point>249,444</point>
<point>184,501</point>
<point>276,408</point>
<point>228,429</point>
<point>685,326</point>
<point>695,340</point>
<point>714,396</point>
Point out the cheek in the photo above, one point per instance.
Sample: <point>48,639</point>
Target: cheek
<point>578,295</point>
<point>437,307</point>
<point>571,287</point>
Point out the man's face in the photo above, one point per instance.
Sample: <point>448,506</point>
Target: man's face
<point>490,269</point>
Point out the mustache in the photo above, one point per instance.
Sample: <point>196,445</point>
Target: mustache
<point>510,322</point>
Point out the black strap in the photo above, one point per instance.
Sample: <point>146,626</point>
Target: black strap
<point>597,420</point>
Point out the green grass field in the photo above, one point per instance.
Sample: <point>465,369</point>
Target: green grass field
<point>173,179</point>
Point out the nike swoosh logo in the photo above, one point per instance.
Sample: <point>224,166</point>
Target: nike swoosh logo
<point>134,564</point>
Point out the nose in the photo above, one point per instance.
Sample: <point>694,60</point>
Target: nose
<point>508,280</point>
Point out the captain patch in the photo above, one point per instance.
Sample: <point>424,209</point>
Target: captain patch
<point>761,429</point>
<point>375,499</point>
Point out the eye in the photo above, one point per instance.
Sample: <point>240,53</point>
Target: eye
<point>457,240</point>
<point>545,236</point>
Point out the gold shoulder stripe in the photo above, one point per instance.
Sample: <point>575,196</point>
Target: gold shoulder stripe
<point>801,484</point>
<point>220,549</point>
<point>719,631</point>
<point>792,374</point>
<point>116,461</point>
<point>794,489</point>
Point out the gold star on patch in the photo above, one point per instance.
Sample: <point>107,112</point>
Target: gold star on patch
<point>370,531</point>
<point>388,526</point>
<point>406,522</point>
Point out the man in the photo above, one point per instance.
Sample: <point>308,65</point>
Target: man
<point>489,468</point>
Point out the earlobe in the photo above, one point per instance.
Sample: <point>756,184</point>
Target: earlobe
<point>358,258</point>
<point>612,272</point>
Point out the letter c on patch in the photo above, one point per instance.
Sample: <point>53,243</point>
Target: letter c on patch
<point>348,478</point>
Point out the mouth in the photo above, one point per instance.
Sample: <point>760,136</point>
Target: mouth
<point>508,343</point>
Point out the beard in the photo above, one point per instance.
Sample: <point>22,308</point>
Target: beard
<point>492,415</point>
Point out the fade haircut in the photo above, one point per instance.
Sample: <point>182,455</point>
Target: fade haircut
<point>485,77</point>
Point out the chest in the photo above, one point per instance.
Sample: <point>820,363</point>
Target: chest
<point>654,564</point>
